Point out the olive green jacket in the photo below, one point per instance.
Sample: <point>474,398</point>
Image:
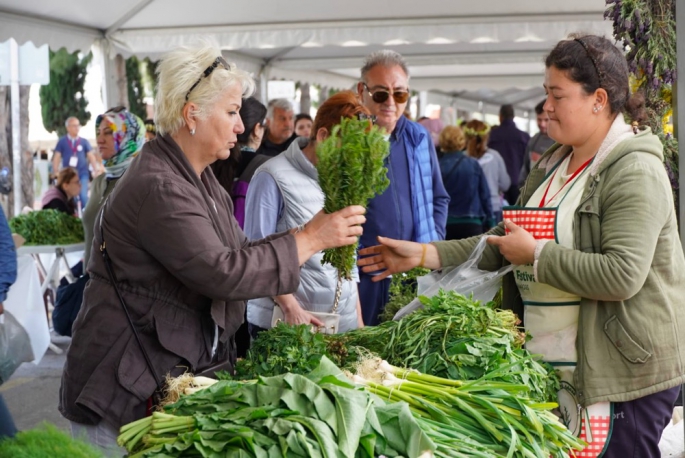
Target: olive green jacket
<point>628,266</point>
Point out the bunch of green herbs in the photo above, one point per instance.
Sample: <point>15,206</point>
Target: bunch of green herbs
<point>46,441</point>
<point>403,290</point>
<point>48,227</point>
<point>351,171</point>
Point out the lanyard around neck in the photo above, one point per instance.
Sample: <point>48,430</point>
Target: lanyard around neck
<point>544,200</point>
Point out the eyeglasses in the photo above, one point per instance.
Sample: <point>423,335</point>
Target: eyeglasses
<point>208,71</point>
<point>381,96</point>
<point>364,116</point>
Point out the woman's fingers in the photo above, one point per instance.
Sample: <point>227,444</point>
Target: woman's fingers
<point>370,250</point>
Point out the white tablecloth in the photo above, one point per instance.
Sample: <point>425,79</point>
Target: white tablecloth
<point>25,302</point>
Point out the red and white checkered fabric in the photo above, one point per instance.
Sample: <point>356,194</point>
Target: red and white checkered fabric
<point>539,222</point>
<point>600,433</point>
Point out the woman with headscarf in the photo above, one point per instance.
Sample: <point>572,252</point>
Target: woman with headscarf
<point>120,136</point>
<point>171,253</point>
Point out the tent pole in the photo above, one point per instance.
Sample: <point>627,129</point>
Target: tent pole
<point>679,121</point>
<point>16,126</point>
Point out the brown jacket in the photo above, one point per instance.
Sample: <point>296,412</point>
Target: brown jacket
<point>182,265</point>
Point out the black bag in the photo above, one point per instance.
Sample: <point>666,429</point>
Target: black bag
<point>67,305</point>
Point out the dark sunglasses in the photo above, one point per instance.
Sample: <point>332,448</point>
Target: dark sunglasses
<point>364,116</point>
<point>381,96</point>
<point>208,71</point>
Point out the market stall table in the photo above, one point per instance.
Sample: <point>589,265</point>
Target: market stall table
<point>56,257</point>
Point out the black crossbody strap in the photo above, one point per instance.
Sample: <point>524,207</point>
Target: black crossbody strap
<point>113,280</point>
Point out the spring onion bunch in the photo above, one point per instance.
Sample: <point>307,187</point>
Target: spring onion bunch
<point>482,418</point>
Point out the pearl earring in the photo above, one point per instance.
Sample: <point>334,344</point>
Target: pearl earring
<point>192,131</point>
<point>595,109</point>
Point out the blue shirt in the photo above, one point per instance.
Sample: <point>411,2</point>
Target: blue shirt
<point>390,214</point>
<point>68,148</point>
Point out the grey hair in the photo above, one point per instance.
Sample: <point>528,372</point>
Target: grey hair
<point>66,123</point>
<point>283,104</point>
<point>385,58</point>
<point>179,70</point>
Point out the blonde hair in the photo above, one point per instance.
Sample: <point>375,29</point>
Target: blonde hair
<point>477,135</point>
<point>179,70</point>
<point>452,138</point>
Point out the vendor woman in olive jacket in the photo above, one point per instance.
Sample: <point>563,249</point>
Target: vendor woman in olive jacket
<point>182,263</point>
<point>615,259</point>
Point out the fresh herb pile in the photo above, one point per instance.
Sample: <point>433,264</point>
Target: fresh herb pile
<point>319,415</point>
<point>46,441</point>
<point>457,338</point>
<point>403,289</point>
<point>351,172</point>
<point>452,337</point>
<point>48,227</point>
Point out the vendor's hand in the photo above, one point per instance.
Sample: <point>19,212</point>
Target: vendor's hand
<point>332,230</point>
<point>392,256</point>
<point>2,309</point>
<point>518,247</point>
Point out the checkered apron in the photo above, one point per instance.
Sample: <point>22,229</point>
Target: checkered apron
<point>551,315</point>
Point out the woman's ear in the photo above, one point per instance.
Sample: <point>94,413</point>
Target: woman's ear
<point>601,99</point>
<point>321,134</point>
<point>189,117</point>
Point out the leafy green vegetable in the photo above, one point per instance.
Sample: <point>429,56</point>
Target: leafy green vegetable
<point>351,172</point>
<point>48,227</point>
<point>319,415</point>
<point>46,441</point>
<point>403,290</point>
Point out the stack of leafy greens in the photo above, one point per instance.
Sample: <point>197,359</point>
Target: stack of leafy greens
<point>48,227</point>
<point>351,171</point>
<point>319,415</point>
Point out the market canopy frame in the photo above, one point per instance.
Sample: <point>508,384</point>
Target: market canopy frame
<point>483,54</point>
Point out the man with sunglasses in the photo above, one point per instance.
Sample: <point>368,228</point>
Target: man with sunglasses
<point>414,207</point>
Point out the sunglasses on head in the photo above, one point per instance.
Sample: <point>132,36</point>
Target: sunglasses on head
<point>208,71</point>
<point>381,95</point>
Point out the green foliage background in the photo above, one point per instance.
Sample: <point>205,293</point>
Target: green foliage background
<point>134,87</point>
<point>64,96</point>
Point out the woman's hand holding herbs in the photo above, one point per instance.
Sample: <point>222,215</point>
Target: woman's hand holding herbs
<point>394,256</point>
<point>330,230</point>
<point>518,247</point>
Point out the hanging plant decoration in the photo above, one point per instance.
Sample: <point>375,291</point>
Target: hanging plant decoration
<point>646,30</point>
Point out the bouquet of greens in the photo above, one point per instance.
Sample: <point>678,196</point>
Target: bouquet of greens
<point>351,171</point>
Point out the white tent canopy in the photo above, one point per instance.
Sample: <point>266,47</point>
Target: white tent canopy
<point>481,54</point>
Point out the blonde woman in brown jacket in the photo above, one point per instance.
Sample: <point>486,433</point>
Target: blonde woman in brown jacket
<point>181,262</point>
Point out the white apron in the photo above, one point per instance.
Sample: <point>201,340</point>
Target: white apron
<point>551,315</point>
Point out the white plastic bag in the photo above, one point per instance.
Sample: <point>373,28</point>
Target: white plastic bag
<point>15,346</point>
<point>466,279</point>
